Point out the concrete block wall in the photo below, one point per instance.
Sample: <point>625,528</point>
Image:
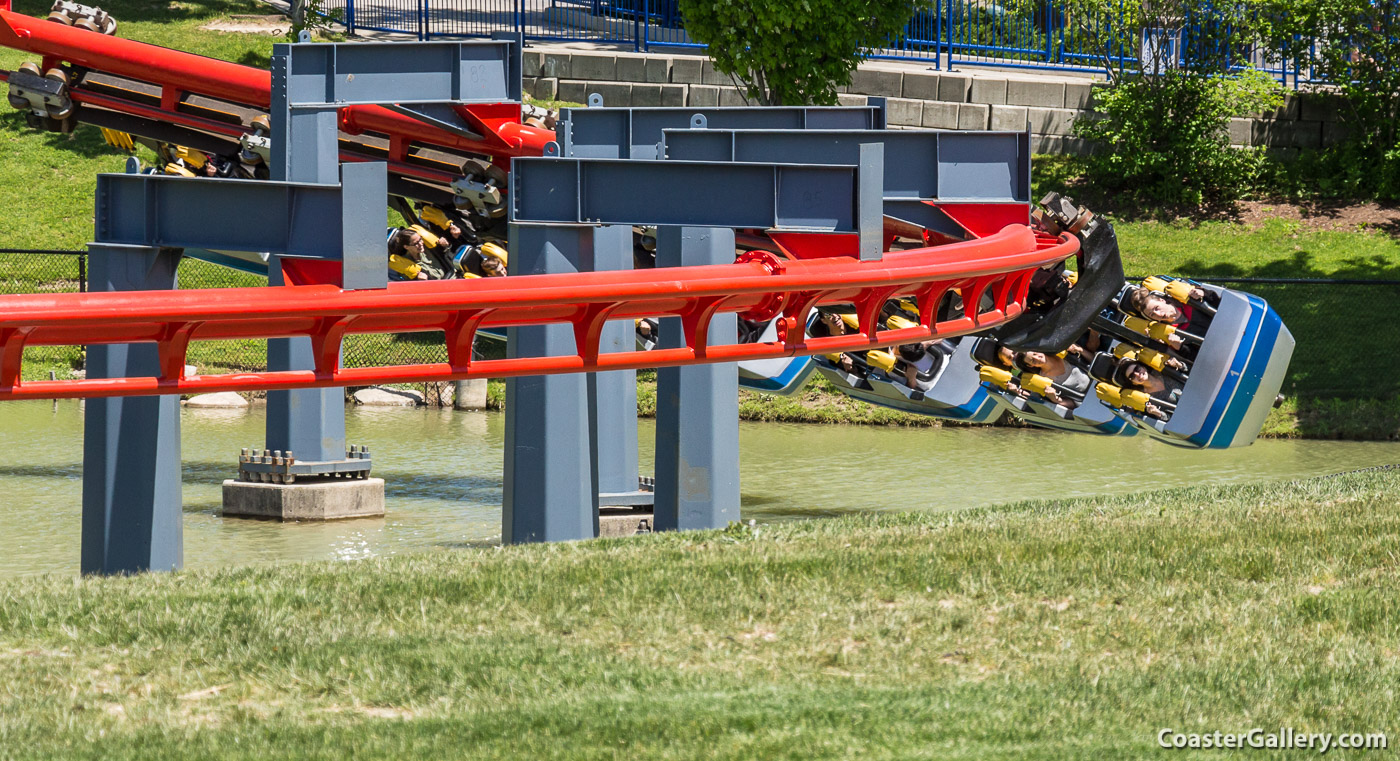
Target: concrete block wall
<point>956,100</point>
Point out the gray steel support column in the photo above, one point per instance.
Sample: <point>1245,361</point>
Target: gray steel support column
<point>549,475</point>
<point>305,148</point>
<point>132,518</point>
<point>309,422</point>
<point>615,393</point>
<point>697,407</point>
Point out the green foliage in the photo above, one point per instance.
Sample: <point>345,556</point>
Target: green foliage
<point>1162,125</point>
<point>1359,55</point>
<point>312,16</point>
<point>1166,138</point>
<point>793,52</point>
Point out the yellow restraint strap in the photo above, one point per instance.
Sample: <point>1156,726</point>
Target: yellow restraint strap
<point>1152,358</point>
<point>429,239</point>
<point>1179,290</point>
<point>404,266</point>
<point>195,159</point>
<point>118,139</point>
<point>1155,283</point>
<point>1110,394</point>
<point>1157,330</point>
<point>895,322</point>
<point>995,376</point>
<point>1036,383</point>
<point>1136,400</point>
<point>881,359</point>
<point>495,252</point>
<point>434,216</point>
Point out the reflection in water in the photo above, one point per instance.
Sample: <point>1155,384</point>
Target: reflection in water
<point>443,474</point>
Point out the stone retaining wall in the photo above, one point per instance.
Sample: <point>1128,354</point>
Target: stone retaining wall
<point>963,100</point>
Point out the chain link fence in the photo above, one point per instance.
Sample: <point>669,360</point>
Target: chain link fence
<point>1328,318</point>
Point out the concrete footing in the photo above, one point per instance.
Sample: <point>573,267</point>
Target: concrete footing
<point>470,394</point>
<point>312,501</point>
<point>616,522</point>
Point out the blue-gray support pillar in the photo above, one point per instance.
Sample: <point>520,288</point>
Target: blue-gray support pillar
<point>310,83</point>
<point>554,203</point>
<point>614,394</point>
<point>132,518</point>
<point>305,148</point>
<point>549,476</point>
<point>697,407</point>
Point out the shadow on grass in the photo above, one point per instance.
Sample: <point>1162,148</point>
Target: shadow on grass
<point>1069,174</point>
<point>1356,419</point>
<point>1301,265</point>
<point>1338,329</point>
<point>255,59</point>
<point>85,142</point>
<point>155,11</point>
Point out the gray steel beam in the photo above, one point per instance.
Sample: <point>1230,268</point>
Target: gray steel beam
<point>306,148</point>
<point>316,221</point>
<point>697,407</point>
<point>363,254</point>
<point>355,73</point>
<point>550,479</point>
<point>919,164</point>
<point>132,517</point>
<point>810,198</point>
<point>309,422</point>
<point>634,133</point>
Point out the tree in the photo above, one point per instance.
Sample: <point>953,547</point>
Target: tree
<point>311,16</point>
<point>1178,70</point>
<point>793,52</point>
<point>1355,45</point>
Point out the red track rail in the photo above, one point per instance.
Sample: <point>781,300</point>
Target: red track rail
<point>178,73</point>
<point>760,286</point>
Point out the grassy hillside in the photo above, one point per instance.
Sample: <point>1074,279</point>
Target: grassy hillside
<point>1068,630</point>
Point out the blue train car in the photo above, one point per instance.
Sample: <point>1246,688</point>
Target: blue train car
<point>782,376</point>
<point>1091,416</point>
<point>952,392</point>
<point>1234,380</point>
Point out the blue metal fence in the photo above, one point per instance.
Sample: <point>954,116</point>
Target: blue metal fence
<point>946,33</point>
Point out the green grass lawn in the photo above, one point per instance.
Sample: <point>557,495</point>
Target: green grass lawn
<point>1279,248</point>
<point>47,179</point>
<point>1050,630</point>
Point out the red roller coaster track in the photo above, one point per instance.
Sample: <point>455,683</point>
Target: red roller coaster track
<point>179,73</point>
<point>759,286</point>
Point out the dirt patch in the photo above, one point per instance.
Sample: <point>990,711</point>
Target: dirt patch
<point>1319,215</point>
<point>1324,216</point>
<point>273,26</point>
<point>1341,216</point>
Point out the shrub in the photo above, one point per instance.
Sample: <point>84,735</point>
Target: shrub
<point>1354,44</point>
<point>1166,138</point>
<point>793,52</point>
